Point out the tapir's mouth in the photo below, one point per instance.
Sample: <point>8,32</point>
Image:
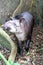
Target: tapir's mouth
<point>16,32</point>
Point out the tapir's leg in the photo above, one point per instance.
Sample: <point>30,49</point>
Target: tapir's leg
<point>20,48</point>
<point>27,45</point>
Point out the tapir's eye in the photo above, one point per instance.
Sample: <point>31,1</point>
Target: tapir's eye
<point>14,24</point>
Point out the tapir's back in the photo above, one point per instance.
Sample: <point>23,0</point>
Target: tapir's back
<point>28,22</point>
<point>27,16</point>
<point>26,26</point>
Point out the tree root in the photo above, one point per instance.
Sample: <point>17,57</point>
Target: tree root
<point>18,9</point>
<point>13,45</point>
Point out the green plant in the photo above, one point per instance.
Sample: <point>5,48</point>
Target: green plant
<point>7,62</point>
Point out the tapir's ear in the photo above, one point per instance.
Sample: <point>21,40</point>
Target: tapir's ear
<point>22,20</point>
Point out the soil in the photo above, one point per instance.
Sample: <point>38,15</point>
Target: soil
<point>35,54</point>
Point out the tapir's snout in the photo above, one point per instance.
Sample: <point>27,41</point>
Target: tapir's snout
<point>5,27</point>
<point>8,28</point>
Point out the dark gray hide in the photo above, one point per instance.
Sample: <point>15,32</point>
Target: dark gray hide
<point>21,25</point>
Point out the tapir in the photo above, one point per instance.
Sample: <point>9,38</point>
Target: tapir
<point>22,26</point>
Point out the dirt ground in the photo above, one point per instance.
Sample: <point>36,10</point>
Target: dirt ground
<point>35,53</point>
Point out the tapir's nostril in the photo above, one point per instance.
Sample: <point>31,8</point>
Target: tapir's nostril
<point>8,28</point>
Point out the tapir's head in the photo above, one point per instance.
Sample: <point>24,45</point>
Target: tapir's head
<point>13,26</point>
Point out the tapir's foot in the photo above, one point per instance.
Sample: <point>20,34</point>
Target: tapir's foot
<point>20,51</point>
